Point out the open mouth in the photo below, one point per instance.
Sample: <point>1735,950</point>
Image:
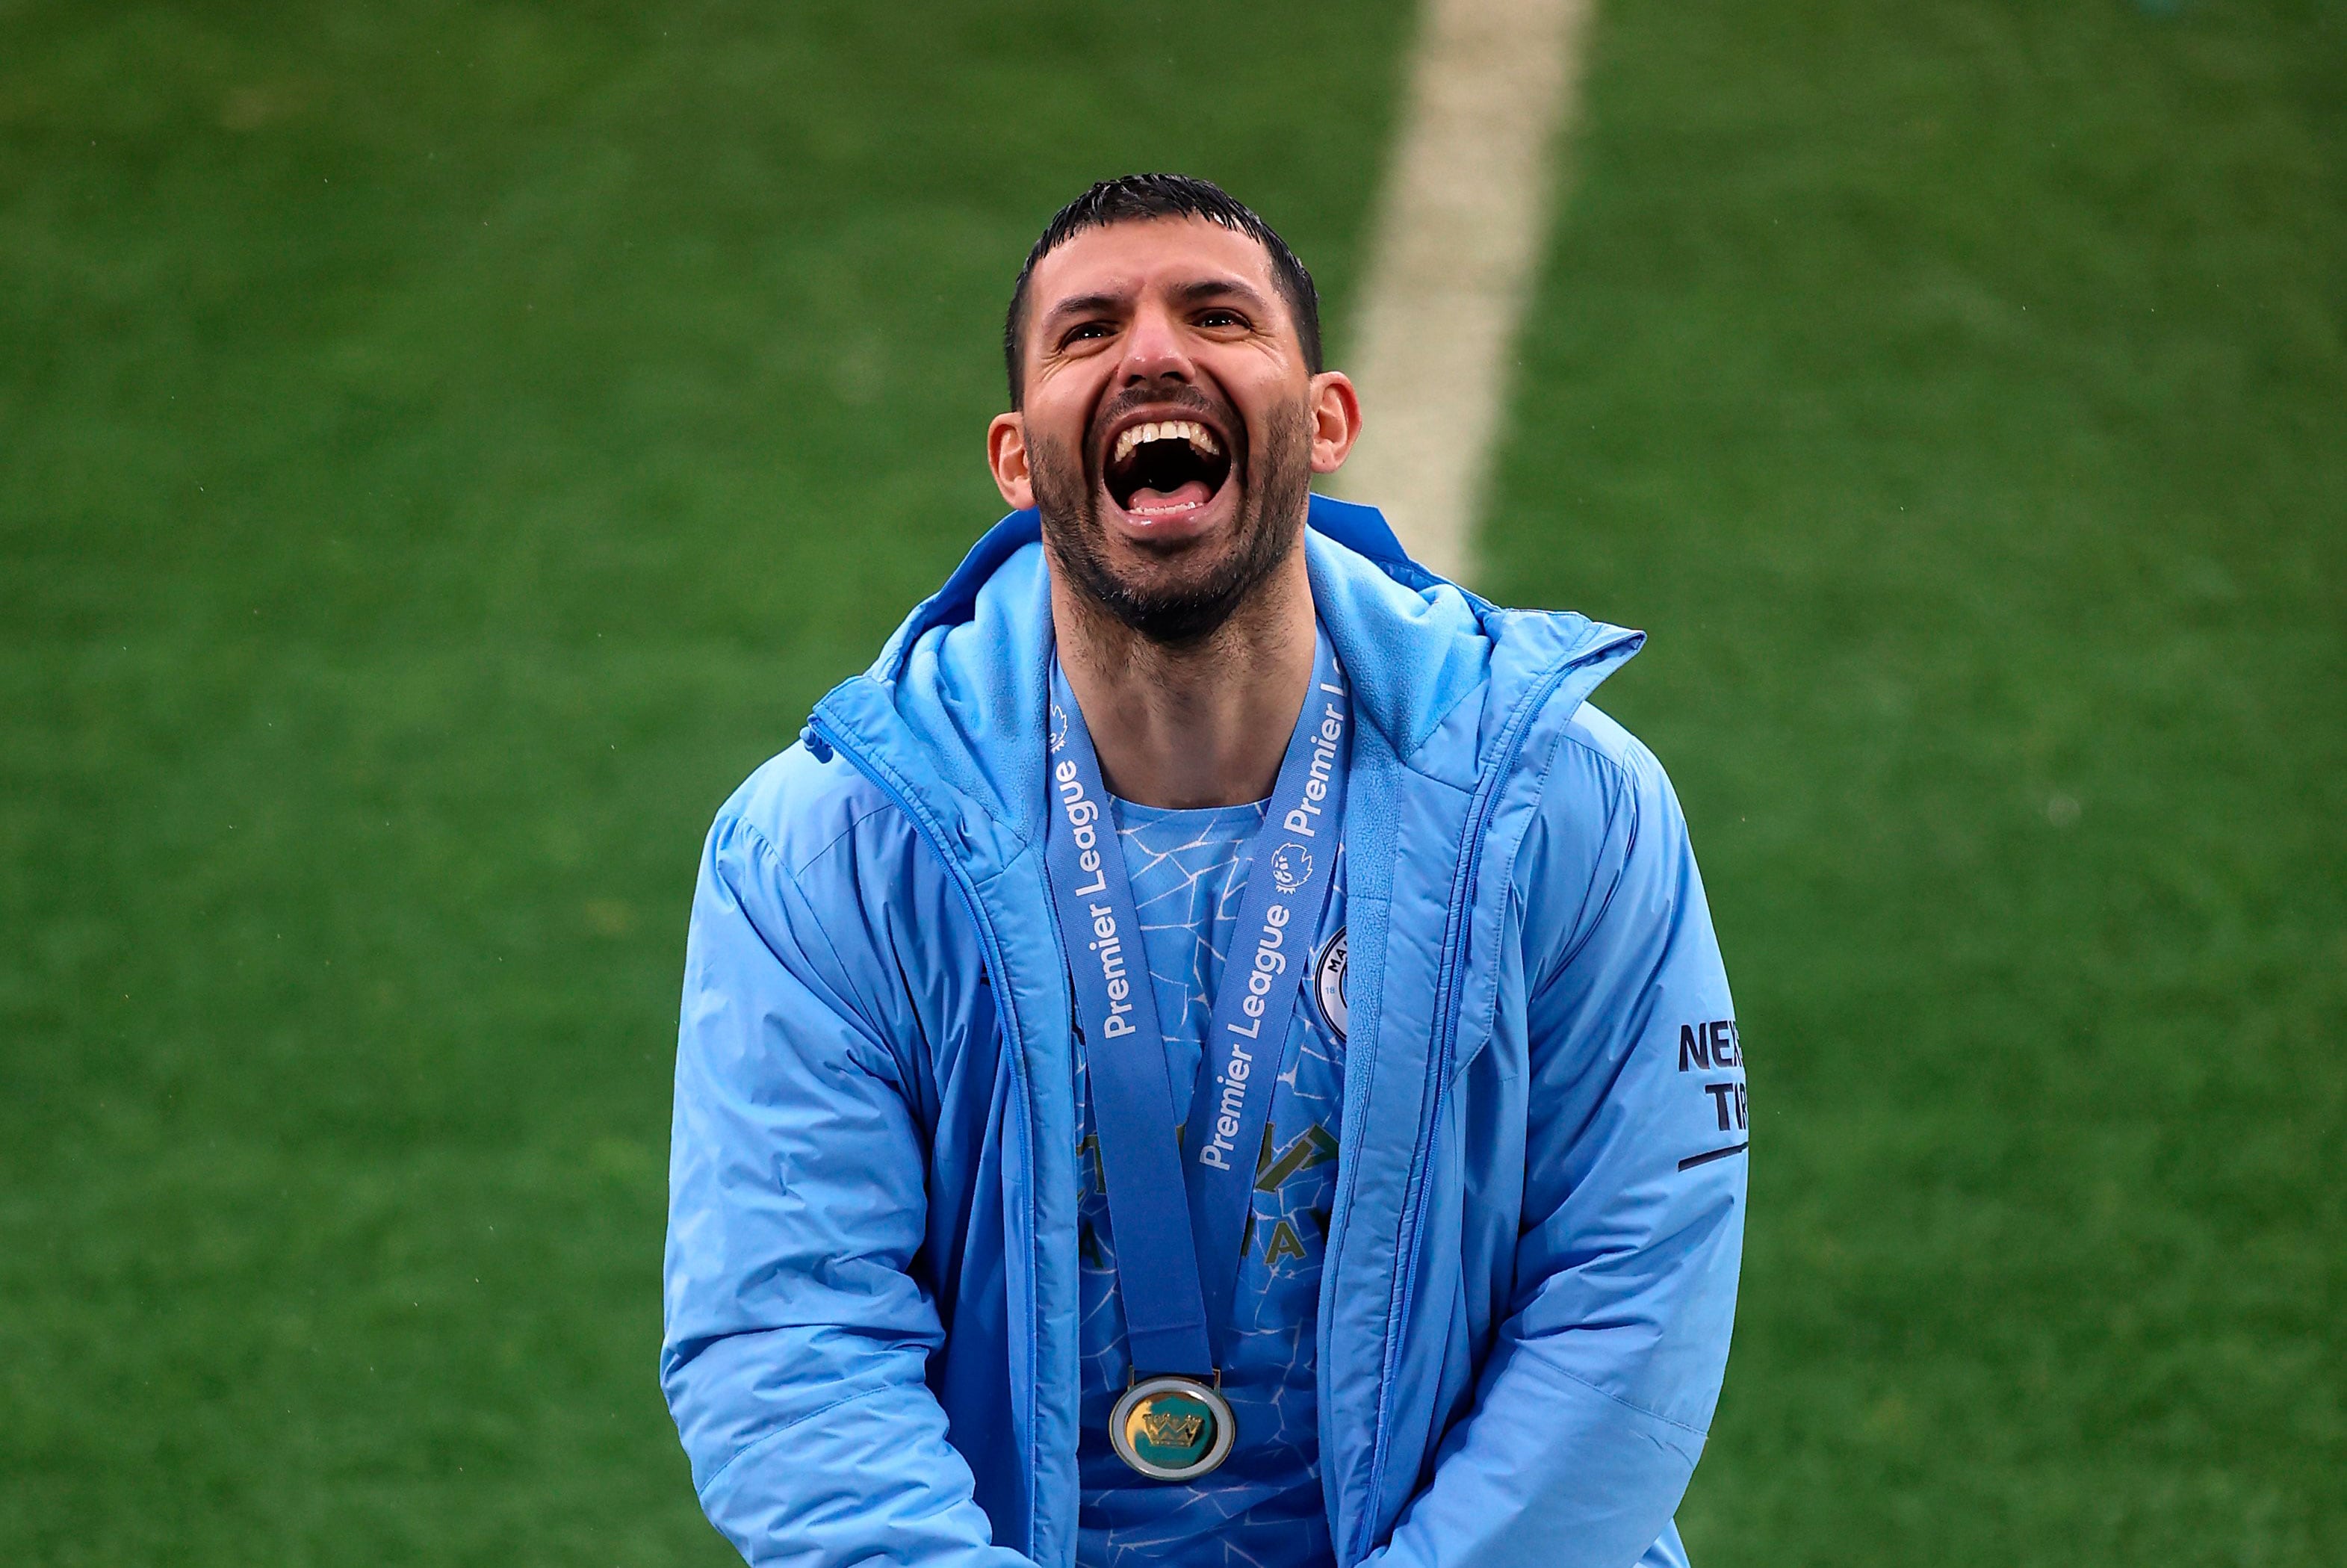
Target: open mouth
<point>1165,469</point>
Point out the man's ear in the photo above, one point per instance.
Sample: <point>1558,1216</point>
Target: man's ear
<point>1006,454</point>
<point>1336,420</point>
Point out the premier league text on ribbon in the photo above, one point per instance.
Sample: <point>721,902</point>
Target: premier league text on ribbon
<point>1270,960</point>
<point>1237,1064</point>
<point>1324,759</point>
<point>1082,813</point>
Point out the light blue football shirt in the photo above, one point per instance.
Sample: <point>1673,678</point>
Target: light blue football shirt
<point>1263,1507</point>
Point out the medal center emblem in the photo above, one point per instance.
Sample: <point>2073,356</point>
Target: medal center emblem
<point>1172,1429</point>
<point>1170,1435</point>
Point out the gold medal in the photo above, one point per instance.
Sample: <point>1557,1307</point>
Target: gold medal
<point>1171,1428</point>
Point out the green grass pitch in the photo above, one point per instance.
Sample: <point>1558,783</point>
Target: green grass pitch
<point>443,449</point>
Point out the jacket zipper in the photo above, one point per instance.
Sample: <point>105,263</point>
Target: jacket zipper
<point>1446,1034</point>
<point>1447,1009</point>
<point>1005,1010</point>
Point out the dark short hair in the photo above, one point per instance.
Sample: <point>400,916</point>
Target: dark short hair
<point>1137,198</point>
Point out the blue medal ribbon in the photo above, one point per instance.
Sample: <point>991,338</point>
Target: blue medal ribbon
<point>1180,1208</point>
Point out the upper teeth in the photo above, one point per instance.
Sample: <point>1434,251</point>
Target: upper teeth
<point>1197,435</point>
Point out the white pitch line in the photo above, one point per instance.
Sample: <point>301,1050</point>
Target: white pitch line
<point>1461,229</point>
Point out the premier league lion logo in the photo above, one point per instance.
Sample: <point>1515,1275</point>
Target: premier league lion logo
<point>1059,727</point>
<point>1291,866</point>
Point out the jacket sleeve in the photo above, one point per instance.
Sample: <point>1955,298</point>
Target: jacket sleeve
<point>796,1338</point>
<point>1592,1407</point>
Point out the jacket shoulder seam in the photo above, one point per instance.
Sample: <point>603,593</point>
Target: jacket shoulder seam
<point>875,809</point>
<point>1567,735</point>
<point>748,823</point>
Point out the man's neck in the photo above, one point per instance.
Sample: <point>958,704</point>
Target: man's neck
<point>1200,725</point>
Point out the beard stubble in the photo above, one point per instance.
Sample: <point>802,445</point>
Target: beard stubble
<point>1181,613</point>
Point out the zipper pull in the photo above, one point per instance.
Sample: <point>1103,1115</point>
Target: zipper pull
<point>818,747</point>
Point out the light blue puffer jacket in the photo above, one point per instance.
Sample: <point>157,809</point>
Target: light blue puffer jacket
<point>1531,1268</point>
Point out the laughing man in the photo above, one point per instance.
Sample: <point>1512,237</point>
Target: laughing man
<point>1211,1051</point>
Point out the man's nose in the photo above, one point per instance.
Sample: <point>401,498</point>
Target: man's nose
<point>1153,350</point>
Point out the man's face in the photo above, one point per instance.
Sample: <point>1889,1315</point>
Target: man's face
<point>1170,426</point>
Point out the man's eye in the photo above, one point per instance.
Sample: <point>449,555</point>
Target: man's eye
<point>1088,330</point>
<point>1222,319</point>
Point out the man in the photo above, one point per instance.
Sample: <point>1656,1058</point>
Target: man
<point>1210,1052</point>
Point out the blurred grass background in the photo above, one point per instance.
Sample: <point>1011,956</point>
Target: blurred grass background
<point>443,449</point>
<point>1959,393</point>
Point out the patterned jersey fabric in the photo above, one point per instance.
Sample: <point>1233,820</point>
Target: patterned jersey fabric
<point>1263,1507</point>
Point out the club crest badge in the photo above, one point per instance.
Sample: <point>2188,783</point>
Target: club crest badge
<point>1328,985</point>
<point>1059,727</point>
<point>1291,866</point>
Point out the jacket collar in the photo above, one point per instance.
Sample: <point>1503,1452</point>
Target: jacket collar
<point>954,707</point>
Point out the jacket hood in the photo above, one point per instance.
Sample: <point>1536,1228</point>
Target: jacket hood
<point>961,690</point>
